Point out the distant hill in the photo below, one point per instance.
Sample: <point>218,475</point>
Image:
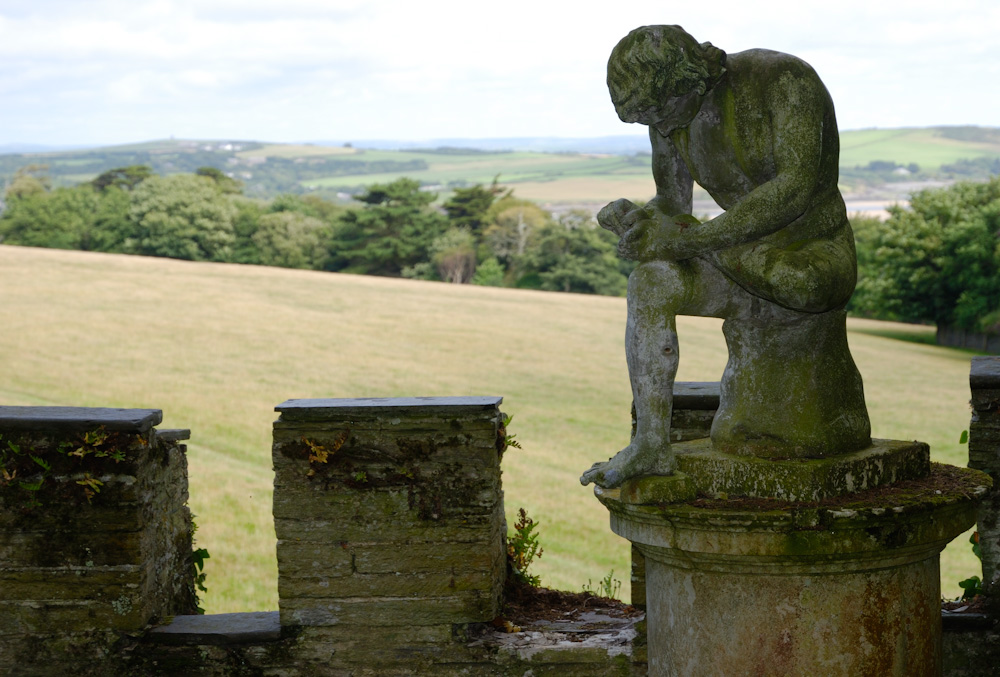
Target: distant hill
<point>616,145</point>
<point>548,169</point>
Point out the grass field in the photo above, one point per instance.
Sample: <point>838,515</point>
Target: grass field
<point>218,346</point>
<point>924,146</point>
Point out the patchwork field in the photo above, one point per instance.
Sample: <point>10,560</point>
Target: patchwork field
<point>567,178</point>
<point>218,346</point>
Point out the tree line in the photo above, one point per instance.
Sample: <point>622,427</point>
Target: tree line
<point>481,234</point>
<point>937,261</point>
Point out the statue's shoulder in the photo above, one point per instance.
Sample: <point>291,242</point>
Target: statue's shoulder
<point>768,63</point>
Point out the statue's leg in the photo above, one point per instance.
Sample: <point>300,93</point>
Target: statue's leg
<point>658,292</point>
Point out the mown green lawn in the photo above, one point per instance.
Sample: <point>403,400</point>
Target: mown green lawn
<point>217,346</point>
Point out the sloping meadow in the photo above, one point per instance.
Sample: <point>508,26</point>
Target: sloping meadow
<point>217,346</point>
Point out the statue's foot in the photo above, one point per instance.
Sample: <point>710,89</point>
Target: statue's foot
<point>632,461</point>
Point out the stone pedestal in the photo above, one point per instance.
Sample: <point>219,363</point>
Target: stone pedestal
<point>749,566</point>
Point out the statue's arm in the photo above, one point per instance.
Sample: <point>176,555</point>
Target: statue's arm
<point>673,196</point>
<point>797,119</point>
<point>670,173</point>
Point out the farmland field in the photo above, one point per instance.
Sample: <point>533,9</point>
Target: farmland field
<point>567,178</point>
<point>924,146</point>
<point>217,346</point>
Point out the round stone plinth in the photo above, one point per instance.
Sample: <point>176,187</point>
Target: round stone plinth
<point>847,586</point>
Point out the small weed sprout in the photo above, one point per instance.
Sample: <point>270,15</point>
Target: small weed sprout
<point>523,549</point>
<point>609,586</point>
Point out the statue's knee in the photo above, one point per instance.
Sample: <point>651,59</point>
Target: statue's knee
<point>662,275</point>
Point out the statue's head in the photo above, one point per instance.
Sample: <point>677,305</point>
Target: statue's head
<point>654,64</point>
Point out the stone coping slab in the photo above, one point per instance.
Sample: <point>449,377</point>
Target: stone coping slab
<point>219,629</point>
<point>79,419</point>
<point>701,395</point>
<point>702,469</point>
<point>173,434</point>
<point>310,409</point>
<point>985,373</point>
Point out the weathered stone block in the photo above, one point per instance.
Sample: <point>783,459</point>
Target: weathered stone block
<point>379,504</point>
<point>442,583</point>
<point>100,542</point>
<point>984,455</point>
<point>385,610</point>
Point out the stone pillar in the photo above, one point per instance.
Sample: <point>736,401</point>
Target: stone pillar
<point>95,534</point>
<point>984,454</point>
<point>390,525</point>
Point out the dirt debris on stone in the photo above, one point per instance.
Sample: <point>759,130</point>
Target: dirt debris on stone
<point>527,606</point>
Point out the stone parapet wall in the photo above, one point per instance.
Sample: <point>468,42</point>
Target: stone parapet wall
<point>95,534</point>
<point>391,550</point>
<point>984,455</point>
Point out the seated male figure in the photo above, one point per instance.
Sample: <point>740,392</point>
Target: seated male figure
<point>757,131</point>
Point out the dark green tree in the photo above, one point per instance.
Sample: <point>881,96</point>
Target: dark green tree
<point>125,178</point>
<point>226,184</point>
<point>28,180</point>
<point>290,240</point>
<point>392,231</point>
<point>182,216</point>
<point>575,255</point>
<point>59,219</point>
<point>938,261</point>
<point>469,207</point>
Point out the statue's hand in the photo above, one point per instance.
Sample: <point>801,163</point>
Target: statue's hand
<point>620,215</point>
<point>658,237</point>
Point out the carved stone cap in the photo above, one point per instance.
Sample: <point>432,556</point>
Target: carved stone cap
<point>985,373</point>
<point>79,419</point>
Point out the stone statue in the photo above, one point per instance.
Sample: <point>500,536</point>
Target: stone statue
<point>756,130</point>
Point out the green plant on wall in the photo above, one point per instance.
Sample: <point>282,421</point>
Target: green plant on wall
<point>972,586</point>
<point>523,548</point>
<point>24,474</point>
<point>198,557</point>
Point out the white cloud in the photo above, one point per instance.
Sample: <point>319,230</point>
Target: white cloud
<point>304,69</point>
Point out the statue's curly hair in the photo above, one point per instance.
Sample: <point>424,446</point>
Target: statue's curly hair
<point>654,62</point>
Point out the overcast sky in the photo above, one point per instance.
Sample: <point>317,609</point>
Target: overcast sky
<point>119,71</point>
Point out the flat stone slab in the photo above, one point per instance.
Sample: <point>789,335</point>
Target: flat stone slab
<point>701,395</point>
<point>173,434</point>
<point>985,373</point>
<point>79,419</point>
<point>219,629</point>
<point>707,471</point>
<point>410,406</point>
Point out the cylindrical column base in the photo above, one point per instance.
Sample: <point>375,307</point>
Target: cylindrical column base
<point>760,587</point>
<point>881,622</point>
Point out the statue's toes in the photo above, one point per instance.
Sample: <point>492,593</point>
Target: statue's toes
<point>595,474</point>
